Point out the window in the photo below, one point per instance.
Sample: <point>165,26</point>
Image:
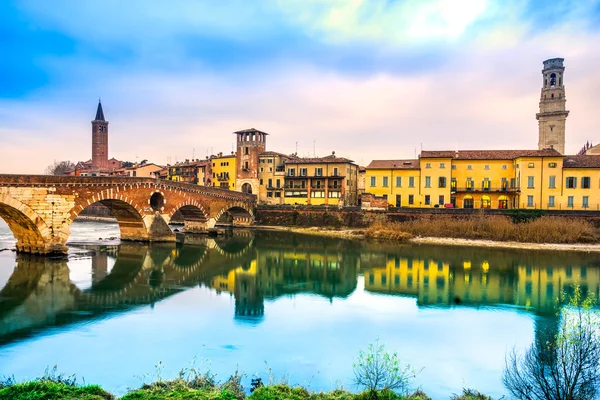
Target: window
<point>453,166</point>
<point>486,184</point>
<point>427,165</point>
<point>469,166</point>
<point>335,171</point>
<point>552,165</point>
<point>270,161</point>
<point>373,181</point>
<point>398,181</point>
<point>245,150</point>
<point>427,199</point>
<point>411,181</point>
<point>571,182</point>
<point>530,165</point>
<point>585,202</point>
<point>486,166</point>
<point>441,200</point>
<point>319,172</point>
<point>504,166</point>
<point>303,171</point>
<point>385,181</point>
<point>334,194</point>
<point>470,184</point>
<point>530,180</point>
<point>261,182</point>
<point>278,183</point>
<point>550,201</point>
<point>442,181</point>
<point>317,194</point>
<point>270,184</point>
<point>427,181</point>
<point>442,165</point>
<point>291,172</point>
<point>411,199</point>
<point>277,194</point>
<point>585,182</point>
<point>453,184</point>
<point>269,194</point>
<point>570,201</point>
<point>529,201</point>
<point>552,182</point>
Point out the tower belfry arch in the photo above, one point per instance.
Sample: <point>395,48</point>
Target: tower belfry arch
<point>553,113</point>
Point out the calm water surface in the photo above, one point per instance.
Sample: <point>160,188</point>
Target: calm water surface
<point>300,306</point>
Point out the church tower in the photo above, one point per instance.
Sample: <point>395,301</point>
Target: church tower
<point>553,113</point>
<point>250,143</point>
<point>99,140</point>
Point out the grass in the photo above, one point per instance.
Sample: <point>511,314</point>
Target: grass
<point>544,229</point>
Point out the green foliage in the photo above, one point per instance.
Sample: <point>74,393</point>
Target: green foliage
<point>524,215</point>
<point>470,394</point>
<point>378,370</point>
<point>47,390</point>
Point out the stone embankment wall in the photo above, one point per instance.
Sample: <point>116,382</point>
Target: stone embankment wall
<point>354,217</point>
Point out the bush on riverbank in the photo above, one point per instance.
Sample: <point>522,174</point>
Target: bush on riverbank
<point>41,390</point>
<point>544,229</point>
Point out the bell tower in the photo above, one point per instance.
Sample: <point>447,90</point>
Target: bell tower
<point>250,143</point>
<point>99,140</point>
<point>553,113</point>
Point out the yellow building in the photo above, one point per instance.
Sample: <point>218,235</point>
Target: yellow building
<point>397,180</point>
<point>535,179</point>
<point>194,171</point>
<point>271,176</point>
<point>329,180</point>
<point>224,170</point>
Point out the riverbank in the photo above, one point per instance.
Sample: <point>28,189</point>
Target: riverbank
<point>202,389</point>
<point>359,233</point>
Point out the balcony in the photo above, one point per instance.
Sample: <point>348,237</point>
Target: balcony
<point>483,190</point>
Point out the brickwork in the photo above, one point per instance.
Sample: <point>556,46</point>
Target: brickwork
<point>250,143</point>
<point>40,209</point>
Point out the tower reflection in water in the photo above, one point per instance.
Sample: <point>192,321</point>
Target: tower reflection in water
<point>258,267</point>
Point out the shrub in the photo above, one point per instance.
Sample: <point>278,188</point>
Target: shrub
<point>567,367</point>
<point>470,394</point>
<point>377,370</point>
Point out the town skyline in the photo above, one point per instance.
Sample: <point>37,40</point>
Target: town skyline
<point>343,79</point>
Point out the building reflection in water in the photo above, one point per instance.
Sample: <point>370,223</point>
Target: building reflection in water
<point>259,267</point>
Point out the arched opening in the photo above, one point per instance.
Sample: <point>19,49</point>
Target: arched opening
<point>192,217</point>
<point>486,201</point>
<point>157,201</point>
<point>552,79</point>
<point>468,201</point>
<point>503,202</point>
<point>21,229</point>
<point>108,219</point>
<point>247,188</point>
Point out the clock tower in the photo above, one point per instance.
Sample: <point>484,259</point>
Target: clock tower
<point>553,112</point>
<point>99,140</point>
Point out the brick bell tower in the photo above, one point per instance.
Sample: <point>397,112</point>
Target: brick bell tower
<point>99,140</point>
<point>553,113</point>
<point>250,143</point>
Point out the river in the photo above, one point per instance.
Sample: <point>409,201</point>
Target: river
<point>276,305</point>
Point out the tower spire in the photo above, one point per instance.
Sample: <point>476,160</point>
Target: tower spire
<point>553,112</point>
<point>99,112</point>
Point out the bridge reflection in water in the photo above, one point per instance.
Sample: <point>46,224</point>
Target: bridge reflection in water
<point>258,267</point>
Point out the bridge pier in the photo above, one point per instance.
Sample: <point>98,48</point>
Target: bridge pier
<point>158,229</point>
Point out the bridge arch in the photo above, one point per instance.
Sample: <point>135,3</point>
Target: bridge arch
<point>237,213</point>
<point>128,214</point>
<point>195,217</point>
<point>28,227</point>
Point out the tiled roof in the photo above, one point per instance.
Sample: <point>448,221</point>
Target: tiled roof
<point>274,153</point>
<point>319,160</point>
<point>583,161</point>
<point>489,154</point>
<point>251,130</point>
<point>394,164</point>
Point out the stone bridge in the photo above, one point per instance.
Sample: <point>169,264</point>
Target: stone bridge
<point>39,209</point>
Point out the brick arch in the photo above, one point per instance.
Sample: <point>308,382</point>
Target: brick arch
<point>28,227</point>
<point>237,204</point>
<point>129,215</point>
<point>189,203</point>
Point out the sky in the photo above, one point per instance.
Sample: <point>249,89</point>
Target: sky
<point>368,79</point>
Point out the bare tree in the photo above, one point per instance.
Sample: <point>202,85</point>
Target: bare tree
<point>567,367</point>
<point>59,167</point>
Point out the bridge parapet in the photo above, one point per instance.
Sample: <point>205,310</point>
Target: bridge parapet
<point>39,209</point>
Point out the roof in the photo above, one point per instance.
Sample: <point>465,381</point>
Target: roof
<point>331,159</point>
<point>489,154</point>
<point>99,113</point>
<point>394,164</point>
<point>251,130</point>
<point>274,153</point>
<point>582,161</point>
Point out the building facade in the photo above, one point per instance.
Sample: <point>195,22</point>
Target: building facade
<point>271,177</point>
<point>224,171</point>
<point>250,144</point>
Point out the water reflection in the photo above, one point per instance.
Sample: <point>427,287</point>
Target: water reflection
<point>305,283</point>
